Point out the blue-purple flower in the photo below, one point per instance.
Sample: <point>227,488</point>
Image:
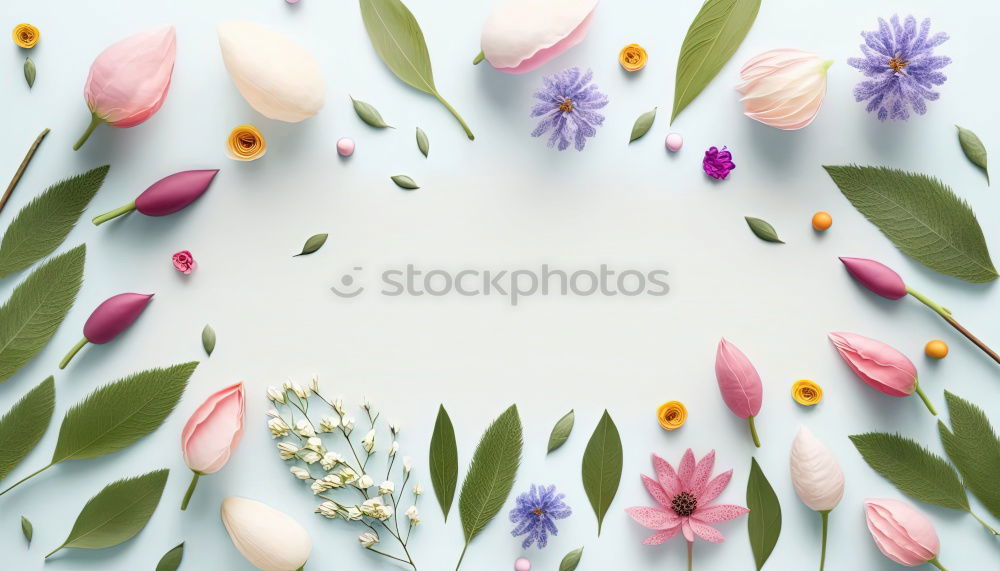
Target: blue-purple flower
<point>718,164</point>
<point>536,509</point>
<point>902,66</point>
<point>568,108</point>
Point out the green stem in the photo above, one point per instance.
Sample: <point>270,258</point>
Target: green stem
<point>301,568</point>
<point>26,478</point>
<point>753,432</point>
<point>923,397</point>
<point>190,491</point>
<point>937,564</point>
<point>72,353</point>
<point>462,556</point>
<point>21,169</point>
<point>479,58</point>
<point>946,315</point>
<point>825,514</point>
<point>454,112</point>
<point>690,554</point>
<point>986,525</point>
<point>94,122</point>
<point>111,214</point>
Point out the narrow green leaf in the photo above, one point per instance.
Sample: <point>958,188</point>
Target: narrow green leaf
<point>403,181</point>
<point>974,149</point>
<point>443,462</point>
<point>712,39</point>
<point>117,513</point>
<point>27,529</point>
<point>642,124</point>
<point>208,339</point>
<point>571,560</point>
<point>29,72</point>
<point>764,521</point>
<point>25,424</point>
<point>921,216</point>
<point>369,114</point>
<point>37,308</point>
<point>314,243</point>
<point>602,467</point>
<point>973,446</point>
<point>561,431</point>
<point>423,143</point>
<point>42,225</point>
<point>117,414</point>
<point>913,469</point>
<point>491,473</point>
<point>763,229</point>
<point>171,560</point>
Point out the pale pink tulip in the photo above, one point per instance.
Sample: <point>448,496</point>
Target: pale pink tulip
<point>783,88</point>
<point>739,383</point>
<point>521,35</point>
<point>129,80</point>
<point>880,366</point>
<point>211,434</point>
<point>902,533</point>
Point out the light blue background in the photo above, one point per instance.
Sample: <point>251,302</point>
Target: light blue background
<point>501,202</point>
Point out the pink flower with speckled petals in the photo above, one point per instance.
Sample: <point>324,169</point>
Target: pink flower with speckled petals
<point>684,497</point>
<point>184,262</point>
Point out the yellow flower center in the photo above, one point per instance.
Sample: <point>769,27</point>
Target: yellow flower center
<point>566,105</point>
<point>539,511</point>
<point>897,64</point>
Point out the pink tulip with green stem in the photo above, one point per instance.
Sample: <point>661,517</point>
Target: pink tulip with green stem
<point>166,196</point>
<point>739,383</point>
<point>211,434</point>
<point>108,321</point>
<point>880,366</point>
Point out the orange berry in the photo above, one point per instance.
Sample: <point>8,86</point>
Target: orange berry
<point>936,349</point>
<point>822,221</point>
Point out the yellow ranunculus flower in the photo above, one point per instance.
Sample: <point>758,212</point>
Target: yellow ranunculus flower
<point>807,393</point>
<point>26,35</point>
<point>632,57</point>
<point>246,143</point>
<point>671,415</point>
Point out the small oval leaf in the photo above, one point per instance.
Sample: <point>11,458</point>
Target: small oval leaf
<point>27,529</point>
<point>561,431</point>
<point>974,149</point>
<point>208,339</point>
<point>572,560</point>
<point>314,243</point>
<point>642,124</point>
<point>369,114</point>
<point>763,230</point>
<point>29,72</point>
<point>602,467</point>
<point>171,560</point>
<point>423,143</point>
<point>403,181</point>
<point>764,523</point>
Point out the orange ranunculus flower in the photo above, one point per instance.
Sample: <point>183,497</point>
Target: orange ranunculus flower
<point>671,415</point>
<point>25,35</point>
<point>632,57</point>
<point>246,143</point>
<point>807,393</point>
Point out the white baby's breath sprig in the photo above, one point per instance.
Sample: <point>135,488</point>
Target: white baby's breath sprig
<point>301,473</point>
<point>276,394</point>
<point>368,442</point>
<point>287,450</point>
<point>278,427</point>
<point>368,539</point>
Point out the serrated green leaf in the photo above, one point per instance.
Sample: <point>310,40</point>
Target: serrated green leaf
<point>922,217</point>
<point>642,124</point>
<point>764,521</point>
<point>763,229</point>
<point>712,39</point>
<point>369,114</point>
<point>491,473</point>
<point>25,424</point>
<point>561,431</point>
<point>403,181</point>
<point>602,467</point>
<point>973,446</point>
<point>571,560</point>
<point>42,225</point>
<point>117,414</point>
<point>29,72</point>
<point>208,339</point>
<point>27,529</point>
<point>117,513</point>
<point>171,560</point>
<point>443,463</point>
<point>314,243</point>
<point>974,149</point>
<point>37,308</point>
<point>423,143</point>
<point>913,469</point>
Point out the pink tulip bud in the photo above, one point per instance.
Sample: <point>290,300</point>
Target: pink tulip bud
<point>901,532</point>
<point>876,276</point>
<point>166,196</point>
<point>129,80</point>
<point>110,318</point>
<point>739,383</point>
<point>212,432</point>
<point>884,369</point>
<point>784,88</point>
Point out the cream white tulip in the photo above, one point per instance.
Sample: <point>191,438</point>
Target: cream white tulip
<point>269,539</point>
<point>521,35</point>
<point>817,477</point>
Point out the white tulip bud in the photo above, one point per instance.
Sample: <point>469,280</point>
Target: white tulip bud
<point>269,539</point>
<point>328,424</point>
<point>300,473</point>
<point>368,539</point>
<point>287,450</point>
<point>817,477</point>
<point>368,442</point>
<point>276,394</point>
<point>386,487</point>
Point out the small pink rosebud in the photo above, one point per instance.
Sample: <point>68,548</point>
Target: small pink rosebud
<point>901,532</point>
<point>166,196</point>
<point>739,383</point>
<point>212,432</point>
<point>184,262</point>
<point>110,318</point>
<point>880,366</point>
<point>876,276</point>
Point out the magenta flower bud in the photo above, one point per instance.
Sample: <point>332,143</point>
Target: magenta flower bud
<point>876,276</point>
<point>902,533</point>
<point>166,196</point>
<point>880,366</point>
<point>110,318</point>
<point>739,384</point>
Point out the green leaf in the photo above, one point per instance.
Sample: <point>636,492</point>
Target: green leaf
<point>423,143</point>
<point>642,124</point>
<point>712,39</point>
<point>42,225</point>
<point>117,414</point>
<point>974,149</point>
<point>208,339</point>
<point>921,216</point>
<point>602,467</point>
<point>491,473</point>
<point>764,521</point>
<point>974,448</point>
<point>571,560</point>
<point>763,229</point>
<point>913,469</point>
<point>27,529</point>
<point>369,114</point>
<point>399,42</point>
<point>561,431</point>
<point>403,181</point>
<point>171,560</point>
<point>444,461</point>
<point>314,243</point>
<point>37,307</point>
<point>29,72</point>
<point>25,424</point>
<point>117,513</point>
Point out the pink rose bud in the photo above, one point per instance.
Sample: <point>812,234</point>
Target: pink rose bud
<point>184,262</point>
<point>166,196</point>
<point>211,434</point>
<point>876,276</point>
<point>739,383</point>
<point>902,533</point>
<point>129,80</point>
<point>884,369</point>
<point>110,318</point>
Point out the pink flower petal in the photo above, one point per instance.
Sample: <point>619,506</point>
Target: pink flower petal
<point>666,475</point>
<point>701,473</point>
<point>705,531</point>
<point>686,470</point>
<point>214,430</point>
<point>660,537</point>
<point>715,487</point>
<point>656,490</point>
<point>652,518</point>
<point>720,512</point>
<point>686,528</point>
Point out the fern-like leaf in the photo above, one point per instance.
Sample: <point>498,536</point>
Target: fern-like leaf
<point>974,448</point>
<point>24,425</point>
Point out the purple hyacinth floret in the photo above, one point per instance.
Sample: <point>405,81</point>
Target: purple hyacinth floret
<point>902,66</point>
<point>718,164</point>
<point>568,108</point>
<point>534,514</point>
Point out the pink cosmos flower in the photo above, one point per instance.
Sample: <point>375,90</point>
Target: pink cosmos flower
<point>184,262</point>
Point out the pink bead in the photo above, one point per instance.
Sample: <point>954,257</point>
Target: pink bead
<point>522,564</point>
<point>292,1</point>
<point>674,142</point>
<point>345,147</point>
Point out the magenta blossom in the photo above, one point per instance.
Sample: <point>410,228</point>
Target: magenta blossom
<point>718,164</point>
<point>113,316</point>
<point>165,196</point>
<point>184,262</point>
